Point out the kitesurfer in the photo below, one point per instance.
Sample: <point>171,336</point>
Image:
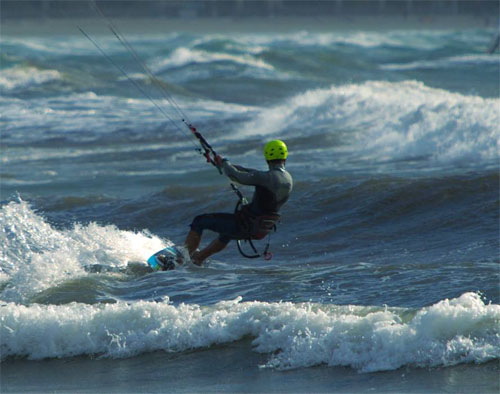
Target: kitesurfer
<point>252,221</point>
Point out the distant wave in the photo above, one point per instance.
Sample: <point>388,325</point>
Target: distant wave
<point>460,330</point>
<point>184,56</point>
<point>25,77</point>
<point>73,112</point>
<point>416,39</point>
<point>391,121</point>
<point>453,61</point>
<point>72,43</point>
<point>98,114</point>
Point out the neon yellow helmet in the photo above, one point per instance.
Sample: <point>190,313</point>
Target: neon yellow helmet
<point>275,150</point>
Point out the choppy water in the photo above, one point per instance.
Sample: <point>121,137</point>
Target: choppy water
<point>387,255</point>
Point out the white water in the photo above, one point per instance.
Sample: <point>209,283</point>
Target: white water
<point>185,56</point>
<point>36,256</point>
<point>392,121</point>
<point>300,335</point>
<point>445,63</point>
<point>21,77</point>
<point>415,39</point>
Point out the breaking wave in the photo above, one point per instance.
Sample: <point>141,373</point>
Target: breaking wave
<point>391,121</point>
<point>20,77</point>
<point>36,256</point>
<point>461,330</point>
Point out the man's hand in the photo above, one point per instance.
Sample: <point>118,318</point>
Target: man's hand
<point>218,160</point>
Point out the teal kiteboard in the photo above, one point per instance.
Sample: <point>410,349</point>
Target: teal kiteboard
<point>166,259</point>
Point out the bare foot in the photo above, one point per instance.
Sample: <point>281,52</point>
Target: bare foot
<point>196,258</point>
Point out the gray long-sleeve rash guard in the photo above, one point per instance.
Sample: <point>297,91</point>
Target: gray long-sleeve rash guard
<point>272,188</point>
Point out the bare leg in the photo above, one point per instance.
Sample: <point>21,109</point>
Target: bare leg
<point>214,247</point>
<point>192,242</point>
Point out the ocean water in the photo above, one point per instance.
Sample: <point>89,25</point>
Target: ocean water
<point>385,275</point>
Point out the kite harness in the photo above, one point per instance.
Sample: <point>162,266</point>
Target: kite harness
<point>256,227</point>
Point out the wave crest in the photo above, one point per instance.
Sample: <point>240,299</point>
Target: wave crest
<point>20,77</point>
<point>185,56</point>
<point>391,121</point>
<point>368,339</point>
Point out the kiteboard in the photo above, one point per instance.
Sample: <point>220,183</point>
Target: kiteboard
<point>166,259</point>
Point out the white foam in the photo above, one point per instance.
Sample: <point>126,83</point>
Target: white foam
<point>24,77</point>
<point>454,331</point>
<point>35,256</point>
<point>183,56</point>
<point>392,121</point>
<point>446,63</point>
<point>418,39</point>
<point>59,113</point>
<point>101,114</point>
<point>76,44</point>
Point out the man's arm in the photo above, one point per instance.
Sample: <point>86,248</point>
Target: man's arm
<point>245,176</point>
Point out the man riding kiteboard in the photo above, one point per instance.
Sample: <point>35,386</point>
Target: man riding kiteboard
<point>254,220</point>
<point>249,221</point>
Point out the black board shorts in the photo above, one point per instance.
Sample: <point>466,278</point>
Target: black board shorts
<point>226,224</point>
